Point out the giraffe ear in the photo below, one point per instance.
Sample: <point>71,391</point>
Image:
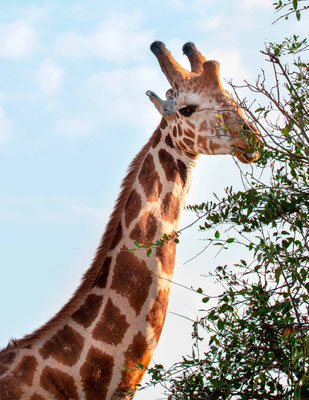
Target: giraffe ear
<point>165,107</point>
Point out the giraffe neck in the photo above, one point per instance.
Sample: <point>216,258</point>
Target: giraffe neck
<point>119,311</point>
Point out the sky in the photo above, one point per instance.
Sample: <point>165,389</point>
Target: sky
<point>73,113</point>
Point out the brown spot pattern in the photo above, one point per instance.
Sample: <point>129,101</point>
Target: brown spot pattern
<point>145,229</point>
<point>26,369</point>
<point>183,171</point>
<point>156,315</point>
<point>137,353</point>
<point>149,179</point>
<point>9,390</point>
<point>179,130</point>
<point>88,311</point>
<point>189,133</point>
<point>156,137</point>
<point>65,346</point>
<point>166,255</point>
<point>174,131</point>
<point>96,374</point>
<point>117,237</point>
<point>189,143</point>
<point>170,207</point>
<point>5,361</point>
<point>169,141</point>
<point>213,146</point>
<point>203,126</point>
<point>201,141</point>
<point>101,279</point>
<point>163,123</point>
<point>112,325</point>
<point>190,124</point>
<point>169,165</point>
<point>132,208</point>
<point>36,396</point>
<point>131,279</point>
<point>60,384</point>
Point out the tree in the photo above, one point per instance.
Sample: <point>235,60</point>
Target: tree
<point>257,331</point>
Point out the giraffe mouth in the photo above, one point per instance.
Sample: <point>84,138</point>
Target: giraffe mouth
<point>246,156</point>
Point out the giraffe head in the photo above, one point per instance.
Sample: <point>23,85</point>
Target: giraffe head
<point>200,113</point>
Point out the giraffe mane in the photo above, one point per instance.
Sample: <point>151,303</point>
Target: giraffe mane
<point>90,275</point>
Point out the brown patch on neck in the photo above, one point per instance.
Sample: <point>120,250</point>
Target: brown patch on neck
<point>131,279</point>
<point>96,374</point>
<point>137,353</point>
<point>58,383</point>
<point>10,389</point>
<point>156,315</point>
<point>169,141</point>
<point>149,179</point>
<point>36,396</point>
<point>163,123</point>
<point>156,138</point>
<point>170,208</point>
<point>5,361</point>
<point>26,369</point>
<point>112,326</point>
<point>117,237</point>
<point>88,311</point>
<point>169,165</point>
<point>133,207</point>
<point>166,255</point>
<point>174,170</point>
<point>65,346</point>
<point>101,279</point>
<point>145,229</point>
<point>183,171</point>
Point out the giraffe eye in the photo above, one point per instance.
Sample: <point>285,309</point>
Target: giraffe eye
<point>187,111</point>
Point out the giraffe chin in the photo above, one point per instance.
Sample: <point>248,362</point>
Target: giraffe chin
<point>246,157</point>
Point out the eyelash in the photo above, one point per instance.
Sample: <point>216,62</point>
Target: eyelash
<point>187,111</point>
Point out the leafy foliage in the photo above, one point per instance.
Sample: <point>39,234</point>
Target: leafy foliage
<point>257,331</point>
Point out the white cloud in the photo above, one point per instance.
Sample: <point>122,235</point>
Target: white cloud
<point>256,3</point>
<point>5,127</point>
<point>231,64</point>
<point>75,125</point>
<point>118,38</point>
<point>50,78</point>
<point>121,95</point>
<point>18,39</point>
<point>211,23</point>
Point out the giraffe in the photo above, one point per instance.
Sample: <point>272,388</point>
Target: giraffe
<point>99,344</point>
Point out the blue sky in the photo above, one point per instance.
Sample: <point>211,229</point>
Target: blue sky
<point>73,113</point>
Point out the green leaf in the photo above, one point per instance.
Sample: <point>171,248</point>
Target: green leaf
<point>295,4</point>
<point>199,290</point>
<point>149,251</point>
<point>298,15</point>
<point>217,234</point>
<point>230,240</point>
<point>136,244</point>
<point>205,300</point>
<point>278,272</point>
<point>220,324</point>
